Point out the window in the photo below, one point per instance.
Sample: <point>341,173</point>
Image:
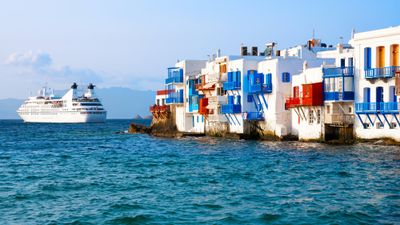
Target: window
<point>318,116</point>
<point>379,125</point>
<point>350,62</point>
<point>197,119</point>
<point>310,116</point>
<point>367,94</point>
<point>350,110</point>
<point>342,63</point>
<point>285,77</point>
<point>249,98</point>
<point>328,109</point>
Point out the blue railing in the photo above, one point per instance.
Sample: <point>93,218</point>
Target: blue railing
<point>175,75</point>
<point>231,109</point>
<point>260,88</point>
<point>174,98</point>
<point>338,72</point>
<point>389,107</point>
<point>254,116</point>
<point>339,96</point>
<point>385,72</point>
<point>375,107</point>
<point>232,85</point>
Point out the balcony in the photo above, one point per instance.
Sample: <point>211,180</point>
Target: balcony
<point>175,75</point>
<point>338,72</point>
<point>339,118</point>
<point>339,96</point>
<point>174,98</point>
<point>378,107</point>
<point>232,85</point>
<point>159,108</point>
<point>292,102</point>
<point>260,88</point>
<point>254,116</point>
<point>203,106</point>
<point>164,92</point>
<point>231,108</point>
<point>385,72</point>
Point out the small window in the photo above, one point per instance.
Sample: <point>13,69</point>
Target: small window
<point>197,119</point>
<point>379,125</point>
<point>350,109</point>
<point>393,125</point>
<point>310,116</point>
<point>249,98</point>
<point>328,109</point>
<point>285,77</point>
<point>318,116</point>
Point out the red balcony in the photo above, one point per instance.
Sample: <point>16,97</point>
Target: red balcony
<point>164,92</point>
<point>159,108</point>
<point>312,95</point>
<point>292,102</point>
<point>203,106</point>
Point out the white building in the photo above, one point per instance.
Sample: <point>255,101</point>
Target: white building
<point>376,60</point>
<point>178,95</point>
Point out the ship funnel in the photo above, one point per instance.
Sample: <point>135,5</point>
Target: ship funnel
<point>74,86</point>
<point>91,86</point>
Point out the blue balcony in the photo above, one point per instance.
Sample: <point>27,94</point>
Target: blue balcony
<point>231,109</point>
<point>385,72</point>
<point>338,72</point>
<point>232,85</point>
<point>254,116</point>
<point>175,75</point>
<point>260,88</point>
<point>389,107</point>
<point>174,98</point>
<point>339,96</point>
<point>378,107</point>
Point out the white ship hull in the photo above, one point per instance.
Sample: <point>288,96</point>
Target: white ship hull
<point>65,117</point>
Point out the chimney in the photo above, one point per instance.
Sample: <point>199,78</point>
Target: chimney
<point>254,51</point>
<point>243,50</point>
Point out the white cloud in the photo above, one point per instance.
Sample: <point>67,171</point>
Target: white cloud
<point>29,58</point>
<point>40,64</point>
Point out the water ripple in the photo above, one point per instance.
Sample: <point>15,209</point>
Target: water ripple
<point>87,174</point>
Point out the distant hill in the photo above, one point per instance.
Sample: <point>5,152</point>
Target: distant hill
<point>121,103</point>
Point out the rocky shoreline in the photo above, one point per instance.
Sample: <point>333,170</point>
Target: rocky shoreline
<point>166,130</point>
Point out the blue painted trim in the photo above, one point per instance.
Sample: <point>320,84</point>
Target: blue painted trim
<point>228,119</point>
<point>379,118</point>
<point>398,122</point>
<point>384,116</point>
<point>265,101</point>
<point>237,120</point>
<point>232,119</point>
<point>369,118</point>
<point>362,122</point>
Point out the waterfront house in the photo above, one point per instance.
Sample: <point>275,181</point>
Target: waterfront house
<point>376,61</point>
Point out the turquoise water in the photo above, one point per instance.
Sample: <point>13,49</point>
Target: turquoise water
<point>88,174</point>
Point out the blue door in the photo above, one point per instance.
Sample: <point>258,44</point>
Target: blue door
<point>379,97</point>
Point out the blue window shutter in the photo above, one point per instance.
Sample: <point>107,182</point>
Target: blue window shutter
<point>249,98</point>
<point>367,58</point>
<point>268,78</point>
<point>230,100</point>
<point>238,99</point>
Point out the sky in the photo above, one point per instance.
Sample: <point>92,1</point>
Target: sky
<point>131,43</point>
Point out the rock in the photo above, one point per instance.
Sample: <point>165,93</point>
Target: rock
<point>138,128</point>
<point>137,117</point>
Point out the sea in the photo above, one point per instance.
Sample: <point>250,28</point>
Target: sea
<point>97,174</point>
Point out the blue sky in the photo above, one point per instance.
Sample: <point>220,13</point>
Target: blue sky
<point>130,43</point>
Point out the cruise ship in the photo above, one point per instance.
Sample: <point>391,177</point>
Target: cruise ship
<point>71,108</point>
